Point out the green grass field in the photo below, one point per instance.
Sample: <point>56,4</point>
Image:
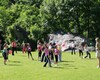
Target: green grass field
<point>19,67</point>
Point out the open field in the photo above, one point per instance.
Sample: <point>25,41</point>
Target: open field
<point>19,67</point>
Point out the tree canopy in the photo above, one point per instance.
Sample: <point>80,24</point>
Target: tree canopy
<point>35,19</point>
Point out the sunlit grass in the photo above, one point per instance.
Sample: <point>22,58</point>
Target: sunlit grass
<point>19,67</point>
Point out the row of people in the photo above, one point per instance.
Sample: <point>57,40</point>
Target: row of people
<point>6,52</point>
<point>81,48</point>
<point>47,52</point>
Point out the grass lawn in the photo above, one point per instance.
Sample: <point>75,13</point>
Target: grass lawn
<point>72,67</point>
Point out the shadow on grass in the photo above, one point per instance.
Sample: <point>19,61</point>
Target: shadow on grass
<point>63,67</point>
<point>90,58</point>
<point>24,55</point>
<point>58,67</point>
<point>15,61</point>
<point>14,65</point>
<point>67,61</point>
<point>66,64</point>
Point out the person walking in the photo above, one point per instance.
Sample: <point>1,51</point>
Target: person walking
<point>51,52</point>
<point>46,51</point>
<point>80,50</point>
<point>87,51</point>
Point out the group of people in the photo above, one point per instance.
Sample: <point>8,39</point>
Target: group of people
<point>82,47</point>
<point>85,49</point>
<point>49,53</point>
<point>11,48</point>
<point>7,49</point>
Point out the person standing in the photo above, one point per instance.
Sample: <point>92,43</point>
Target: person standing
<point>13,44</point>
<point>39,48</point>
<point>29,51</point>
<point>56,53</point>
<point>97,46</point>
<point>73,48</point>
<point>24,47</point>
<point>5,53</point>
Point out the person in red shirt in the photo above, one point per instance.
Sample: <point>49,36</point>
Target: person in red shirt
<point>13,44</point>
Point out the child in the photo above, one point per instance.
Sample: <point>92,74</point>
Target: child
<point>43,59</point>
<point>56,53</point>
<point>73,48</point>
<point>81,51</point>
<point>39,48</point>
<point>29,51</point>
<point>87,51</point>
<point>14,46</point>
<point>51,52</point>
<point>5,53</point>
<point>46,51</point>
<point>98,51</point>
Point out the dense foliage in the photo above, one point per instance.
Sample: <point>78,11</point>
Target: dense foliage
<point>33,19</point>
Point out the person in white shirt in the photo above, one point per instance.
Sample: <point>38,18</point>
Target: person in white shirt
<point>73,48</point>
<point>97,46</point>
